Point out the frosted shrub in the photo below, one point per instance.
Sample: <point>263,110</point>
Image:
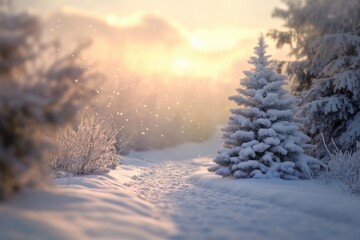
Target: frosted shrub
<point>344,167</point>
<point>88,149</point>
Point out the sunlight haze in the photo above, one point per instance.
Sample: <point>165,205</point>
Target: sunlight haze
<point>165,52</point>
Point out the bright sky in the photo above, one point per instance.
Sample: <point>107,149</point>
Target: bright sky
<point>191,13</point>
<point>209,25</point>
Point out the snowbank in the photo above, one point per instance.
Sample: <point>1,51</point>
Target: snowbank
<point>90,207</point>
<point>308,196</point>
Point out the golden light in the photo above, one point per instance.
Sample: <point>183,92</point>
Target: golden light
<point>111,20</point>
<point>181,65</point>
<point>212,40</point>
<point>206,53</point>
<point>197,43</point>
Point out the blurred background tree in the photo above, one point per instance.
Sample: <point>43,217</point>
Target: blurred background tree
<point>324,37</point>
<point>41,88</point>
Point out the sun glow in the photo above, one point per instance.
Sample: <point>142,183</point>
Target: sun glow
<point>197,43</point>
<point>152,45</point>
<point>155,45</point>
<point>216,40</point>
<point>181,65</point>
<point>112,20</point>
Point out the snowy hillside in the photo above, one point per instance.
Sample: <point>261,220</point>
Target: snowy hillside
<point>169,194</point>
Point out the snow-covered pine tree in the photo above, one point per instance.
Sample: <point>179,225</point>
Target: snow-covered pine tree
<point>332,105</point>
<point>324,36</point>
<point>262,140</point>
<point>304,22</point>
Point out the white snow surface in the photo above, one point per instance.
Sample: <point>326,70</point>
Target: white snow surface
<point>169,194</point>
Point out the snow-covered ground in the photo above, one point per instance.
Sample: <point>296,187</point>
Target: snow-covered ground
<point>168,194</point>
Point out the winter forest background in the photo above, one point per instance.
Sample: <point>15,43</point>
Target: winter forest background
<point>109,106</point>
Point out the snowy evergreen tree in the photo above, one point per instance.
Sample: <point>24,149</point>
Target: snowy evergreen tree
<point>325,36</point>
<point>332,105</point>
<point>38,89</point>
<point>262,140</point>
<point>304,22</point>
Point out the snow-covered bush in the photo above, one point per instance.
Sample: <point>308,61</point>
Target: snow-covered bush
<point>40,88</point>
<point>262,139</point>
<point>344,168</point>
<point>88,149</point>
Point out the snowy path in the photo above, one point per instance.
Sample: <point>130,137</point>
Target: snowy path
<point>168,194</point>
<point>216,213</point>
